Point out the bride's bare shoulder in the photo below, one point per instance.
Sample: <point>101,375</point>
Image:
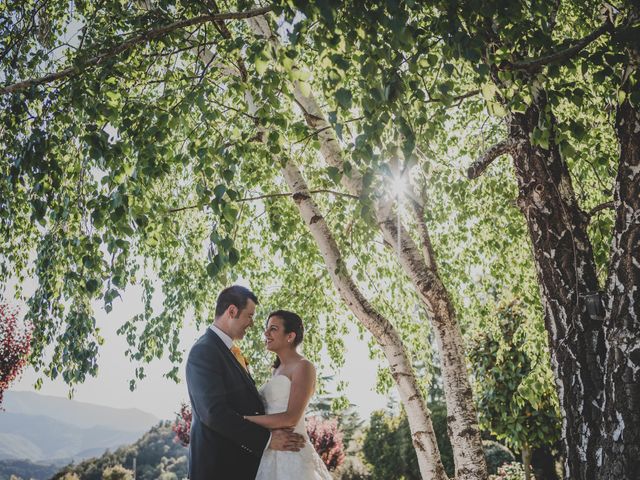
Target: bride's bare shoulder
<point>305,367</point>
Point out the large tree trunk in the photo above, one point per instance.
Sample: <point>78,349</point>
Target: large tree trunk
<point>619,451</point>
<point>567,278</point>
<point>421,269</point>
<point>383,331</point>
<point>464,433</point>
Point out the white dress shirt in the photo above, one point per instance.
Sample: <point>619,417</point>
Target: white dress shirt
<point>228,341</point>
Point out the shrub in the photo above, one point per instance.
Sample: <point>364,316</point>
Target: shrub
<point>182,425</point>
<point>327,440</point>
<point>117,472</point>
<point>510,471</point>
<point>496,455</point>
<point>15,344</point>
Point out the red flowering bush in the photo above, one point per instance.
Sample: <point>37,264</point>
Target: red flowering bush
<point>327,440</point>
<point>15,344</point>
<point>182,425</point>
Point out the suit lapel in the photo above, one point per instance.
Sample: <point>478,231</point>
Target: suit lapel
<point>234,361</point>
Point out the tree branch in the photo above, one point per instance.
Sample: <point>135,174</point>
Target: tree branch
<point>480,165</point>
<point>458,98</point>
<point>533,65</point>
<point>127,45</point>
<point>322,190</point>
<point>599,208</point>
<point>425,238</point>
<point>270,195</point>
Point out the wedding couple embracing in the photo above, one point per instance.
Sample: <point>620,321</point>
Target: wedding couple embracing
<point>237,431</point>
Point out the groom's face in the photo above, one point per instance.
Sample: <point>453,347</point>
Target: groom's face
<point>242,320</point>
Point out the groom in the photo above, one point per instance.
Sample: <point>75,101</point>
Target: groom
<point>223,445</point>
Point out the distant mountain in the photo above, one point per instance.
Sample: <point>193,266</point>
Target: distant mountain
<point>40,438</point>
<point>45,429</point>
<point>79,414</point>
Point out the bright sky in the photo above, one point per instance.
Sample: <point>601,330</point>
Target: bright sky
<point>162,397</point>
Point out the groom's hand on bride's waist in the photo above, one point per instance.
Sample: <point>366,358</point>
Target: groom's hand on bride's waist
<point>286,439</point>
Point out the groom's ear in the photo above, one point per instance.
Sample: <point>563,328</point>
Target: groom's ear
<point>232,311</point>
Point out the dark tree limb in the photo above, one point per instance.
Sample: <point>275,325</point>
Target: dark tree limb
<point>598,208</point>
<point>535,64</point>
<point>267,196</point>
<point>457,98</point>
<point>275,195</point>
<point>127,45</point>
<point>480,165</point>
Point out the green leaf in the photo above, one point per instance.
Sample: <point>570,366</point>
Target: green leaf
<point>344,98</point>
<point>305,88</point>
<point>234,256</point>
<point>219,190</point>
<point>92,285</point>
<point>212,270</point>
<point>261,65</point>
<point>230,213</point>
<point>334,174</point>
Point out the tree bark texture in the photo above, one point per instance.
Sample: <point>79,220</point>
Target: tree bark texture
<point>594,344</point>
<point>462,417</point>
<point>619,452</point>
<point>383,331</point>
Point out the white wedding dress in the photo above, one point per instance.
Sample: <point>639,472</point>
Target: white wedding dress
<point>277,465</point>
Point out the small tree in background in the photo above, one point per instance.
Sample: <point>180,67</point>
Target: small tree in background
<point>388,449</point>
<point>182,425</point>
<point>15,342</point>
<point>117,472</point>
<point>327,440</point>
<point>514,388</point>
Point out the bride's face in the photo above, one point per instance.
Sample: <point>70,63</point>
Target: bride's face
<point>275,336</point>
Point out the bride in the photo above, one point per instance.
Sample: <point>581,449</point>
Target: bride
<point>286,396</point>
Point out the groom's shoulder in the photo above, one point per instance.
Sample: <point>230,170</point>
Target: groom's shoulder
<point>205,342</point>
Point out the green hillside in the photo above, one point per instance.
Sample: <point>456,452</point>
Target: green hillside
<point>24,469</point>
<point>157,457</point>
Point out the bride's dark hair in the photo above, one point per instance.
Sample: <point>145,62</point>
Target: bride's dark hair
<point>291,323</point>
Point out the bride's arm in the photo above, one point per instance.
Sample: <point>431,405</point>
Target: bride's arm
<point>303,380</point>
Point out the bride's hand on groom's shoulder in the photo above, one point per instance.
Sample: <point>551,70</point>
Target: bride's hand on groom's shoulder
<point>286,439</point>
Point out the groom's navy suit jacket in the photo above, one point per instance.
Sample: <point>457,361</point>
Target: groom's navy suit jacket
<point>223,445</point>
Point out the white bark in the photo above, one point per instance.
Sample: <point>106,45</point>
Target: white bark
<point>402,371</point>
<point>465,434</point>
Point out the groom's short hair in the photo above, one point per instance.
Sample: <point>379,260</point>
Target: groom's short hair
<point>234,295</point>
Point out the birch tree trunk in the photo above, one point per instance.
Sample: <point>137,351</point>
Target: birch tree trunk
<point>424,439</point>
<point>596,364</point>
<point>594,336</point>
<point>462,417</point>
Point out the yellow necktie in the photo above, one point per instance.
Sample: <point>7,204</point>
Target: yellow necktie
<point>241,359</point>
